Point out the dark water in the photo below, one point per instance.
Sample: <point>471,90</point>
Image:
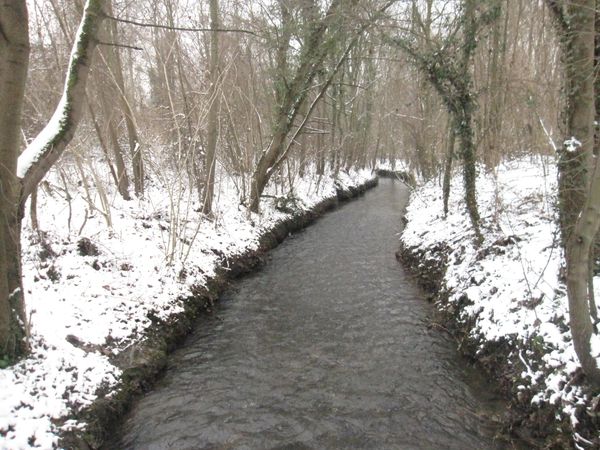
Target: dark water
<point>326,348</point>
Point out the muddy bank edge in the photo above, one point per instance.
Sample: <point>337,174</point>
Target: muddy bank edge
<point>539,426</point>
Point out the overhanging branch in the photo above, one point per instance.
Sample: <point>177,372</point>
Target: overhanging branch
<point>114,44</point>
<point>138,23</point>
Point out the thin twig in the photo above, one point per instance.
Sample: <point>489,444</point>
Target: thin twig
<point>114,44</point>
<point>189,29</point>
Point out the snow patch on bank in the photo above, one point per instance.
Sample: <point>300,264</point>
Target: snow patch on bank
<point>87,302</point>
<point>392,165</point>
<point>509,288</point>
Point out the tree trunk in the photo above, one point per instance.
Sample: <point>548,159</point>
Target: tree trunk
<point>464,125</point>
<point>580,227</point>
<point>261,177</point>
<point>448,167</point>
<point>14,60</point>
<point>453,80</point>
<point>422,131</point>
<point>135,148</point>
<point>291,95</point>
<point>282,97</point>
<point>577,257</point>
<point>494,106</point>
<point>113,140</point>
<point>213,110</point>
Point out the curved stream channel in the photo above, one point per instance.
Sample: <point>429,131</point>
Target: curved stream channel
<point>327,347</point>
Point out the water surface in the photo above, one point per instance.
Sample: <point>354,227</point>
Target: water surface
<point>327,347</point>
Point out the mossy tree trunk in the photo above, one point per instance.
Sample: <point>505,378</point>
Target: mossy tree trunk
<point>107,90</point>
<point>579,174</point>
<point>465,106</point>
<point>135,145</point>
<point>112,138</point>
<point>448,167</point>
<point>20,175</point>
<point>580,237</point>
<point>448,68</point>
<point>322,38</point>
<point>493,117</point>
<point>291,95</point>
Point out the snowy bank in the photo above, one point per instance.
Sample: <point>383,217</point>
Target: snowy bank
<point>107,281</point>
<point>506,299</point>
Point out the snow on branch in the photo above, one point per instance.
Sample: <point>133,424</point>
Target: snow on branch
<point>39,156</point>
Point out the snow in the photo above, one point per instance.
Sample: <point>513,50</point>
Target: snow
<point>38,147</point>
<point>509,288</point>
<point>392,165</point>
<point>85,309</point>
<point>572,145</point>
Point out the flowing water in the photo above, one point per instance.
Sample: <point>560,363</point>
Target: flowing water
<point>327,347</point>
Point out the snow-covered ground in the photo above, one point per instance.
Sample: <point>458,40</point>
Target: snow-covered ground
<point>509,288</point>
<point>88,299</point>
<point>392,165</point>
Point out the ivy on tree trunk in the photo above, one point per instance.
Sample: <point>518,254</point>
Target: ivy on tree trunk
<point>579,174</point>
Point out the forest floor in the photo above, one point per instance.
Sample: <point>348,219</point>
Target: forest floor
<point>97,278</point>
<point>505,301</point>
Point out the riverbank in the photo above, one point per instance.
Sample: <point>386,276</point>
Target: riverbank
<point>110,292</point>
<point>505,301</point>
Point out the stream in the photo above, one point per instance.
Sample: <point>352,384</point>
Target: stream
<point>326,347</point>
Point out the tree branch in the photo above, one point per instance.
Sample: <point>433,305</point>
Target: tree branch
<point>39,156</point>
<point>188,29</point>
<point>114,44</point>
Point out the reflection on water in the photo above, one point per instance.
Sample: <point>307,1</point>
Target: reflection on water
<point>327,347</point>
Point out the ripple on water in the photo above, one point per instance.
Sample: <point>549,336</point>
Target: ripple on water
<point>326,347</point>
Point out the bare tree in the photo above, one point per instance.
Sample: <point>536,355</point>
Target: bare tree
<point>213,109</point>
<point>292,85</point>
<point>448,64</point>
